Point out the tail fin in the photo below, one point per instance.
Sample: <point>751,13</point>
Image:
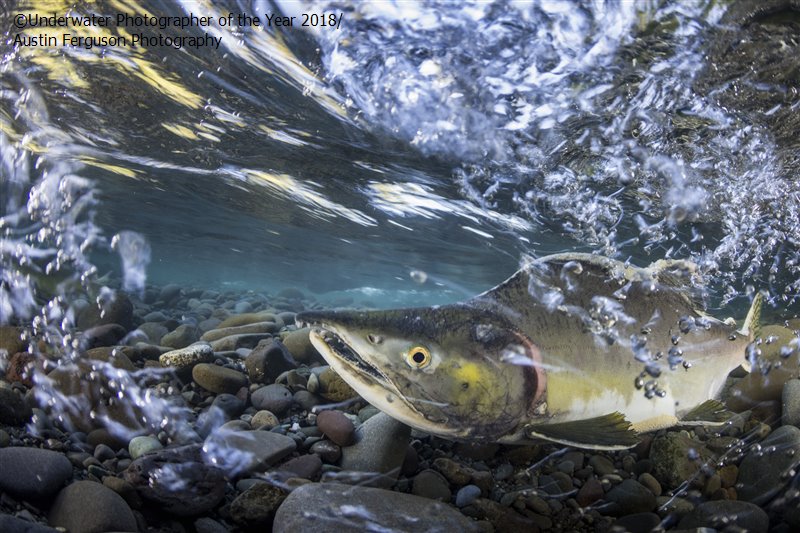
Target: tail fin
<point>752,323</point>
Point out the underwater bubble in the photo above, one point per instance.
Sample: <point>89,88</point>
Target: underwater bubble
<point>134,251</point>
<point>418,276</point>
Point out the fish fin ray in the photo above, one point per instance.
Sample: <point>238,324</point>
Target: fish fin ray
<point>607,432</point>
<point>752,323</point>
<point>708,413</point>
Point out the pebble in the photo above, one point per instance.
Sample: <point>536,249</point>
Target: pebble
<point>187,358</point>
<point>115,356</point>
<point>90,507</point>
<point>336,426</point>
<point>637,523</point>
<point>306,400</point>
<point>155,316</point>
<point>380,447</point>
<point>763,471</point>
<point>275,398</point>
<point>651,483</point>
<point>21,367</point>
<point>256,506</point>
<point>255,327</point>
<point>33,472</point>
<point>467,494</point>
<point>181,337</point>
<point>676,457</point>
<point>169,293</point>
<point>218,379</point>
<point>202,485</point>
<point>246,452</point>
<point>116,310</point>
<point>602,465</point>
<point>232,343</point>
<point>14,411</point>
<point>727,515</point>
<point>332,387</point>
<point>102,452</point>
<point>629,497</point>
<point>299,345</point>
<point>209,525</point>
<point>455,473</point>
<point>268,360</point>
<point>264,419</point>
<point>327,451</point>
<point>432,485</point>
<point>374,510</point>
<point>124,489</point>
<point>11,340</point>
<point>105,335</point>
<point>590,492</point>
<point>305,466</point>
<point>138,446</point>
<point>790,403</point>
<point>13,524</point>
<point>247,318</point>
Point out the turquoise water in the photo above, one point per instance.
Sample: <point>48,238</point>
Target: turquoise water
<point>416,137</point>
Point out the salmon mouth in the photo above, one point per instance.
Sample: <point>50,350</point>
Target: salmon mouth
<point>338,347</point>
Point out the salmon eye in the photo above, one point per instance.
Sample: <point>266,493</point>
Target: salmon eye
<point>418,357</point>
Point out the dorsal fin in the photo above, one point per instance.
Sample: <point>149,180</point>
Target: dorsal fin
<point>752,323</point>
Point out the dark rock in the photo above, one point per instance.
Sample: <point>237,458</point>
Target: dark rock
<point>209,525</point>
<point>124,489</point>
<point>629,497</point>
<point>169,293</point>
<point>229,404</point>
<point>637,523</point>
<point>201,486</point>
<point>89,507</point>
<point>590,492</point>
<point>115,356</point>
<point>501,517</point>
<point>268,360</point>
<point>767,468</point>
<point>103,452</point>
<point>246,452</point>
<point>256,506</point>
<point>467,494</point>
<point>306,400</point>
<point>243,340</point>
<point>11,340</point>
<point>602,465</point>
<point>327,451</point>
<point>104,335</point>
<point>21,367</point>
<point>455,473</point>
<point>726,514</point>
<point>14,411</point>
<point>155,316</point>
<point>33,472</point>
<point>305,466</point>
<point>432,485</point>
<point>12,524</point>
<point>218,379</point>
<point>378,510</point>
<point>181,337</point>
<point>275,398</point>
<point>117,309</point>
<point>337,427</point>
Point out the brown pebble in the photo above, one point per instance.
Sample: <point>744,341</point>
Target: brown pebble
<point>727,475</point>
<point>337,427</point>
<point>590,492</point>
<point>651,483</point>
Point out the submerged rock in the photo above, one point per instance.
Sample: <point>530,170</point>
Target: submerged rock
<point>379,450</point>
<point>218,379</point>
<point>344,509</point>
<point>256,506</point>
<point>767,467</point>
<point>89,507</point>
<point>33,472</point>
<point>726,515</point>
<point>185,359</point>
<point>676,458</point>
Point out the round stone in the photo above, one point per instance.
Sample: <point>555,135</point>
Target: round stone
<point>467,494</point>
<point>275,398</point>
<point>139,446</point>
<point>186,358</point>
<point>431,484</point>
<point>264,419</point>
<point>91,507</point>
<point>33,472</point>
<point>218,379</point>
<point>336,426</point>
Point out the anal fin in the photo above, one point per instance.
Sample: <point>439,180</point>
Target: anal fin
<point>708,413</point>
<point>607,432</point>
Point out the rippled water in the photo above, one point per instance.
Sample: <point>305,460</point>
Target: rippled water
<point>415,155</point>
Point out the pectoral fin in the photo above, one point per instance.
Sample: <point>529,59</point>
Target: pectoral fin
<point>607,432</point>
<point>709,413</point>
